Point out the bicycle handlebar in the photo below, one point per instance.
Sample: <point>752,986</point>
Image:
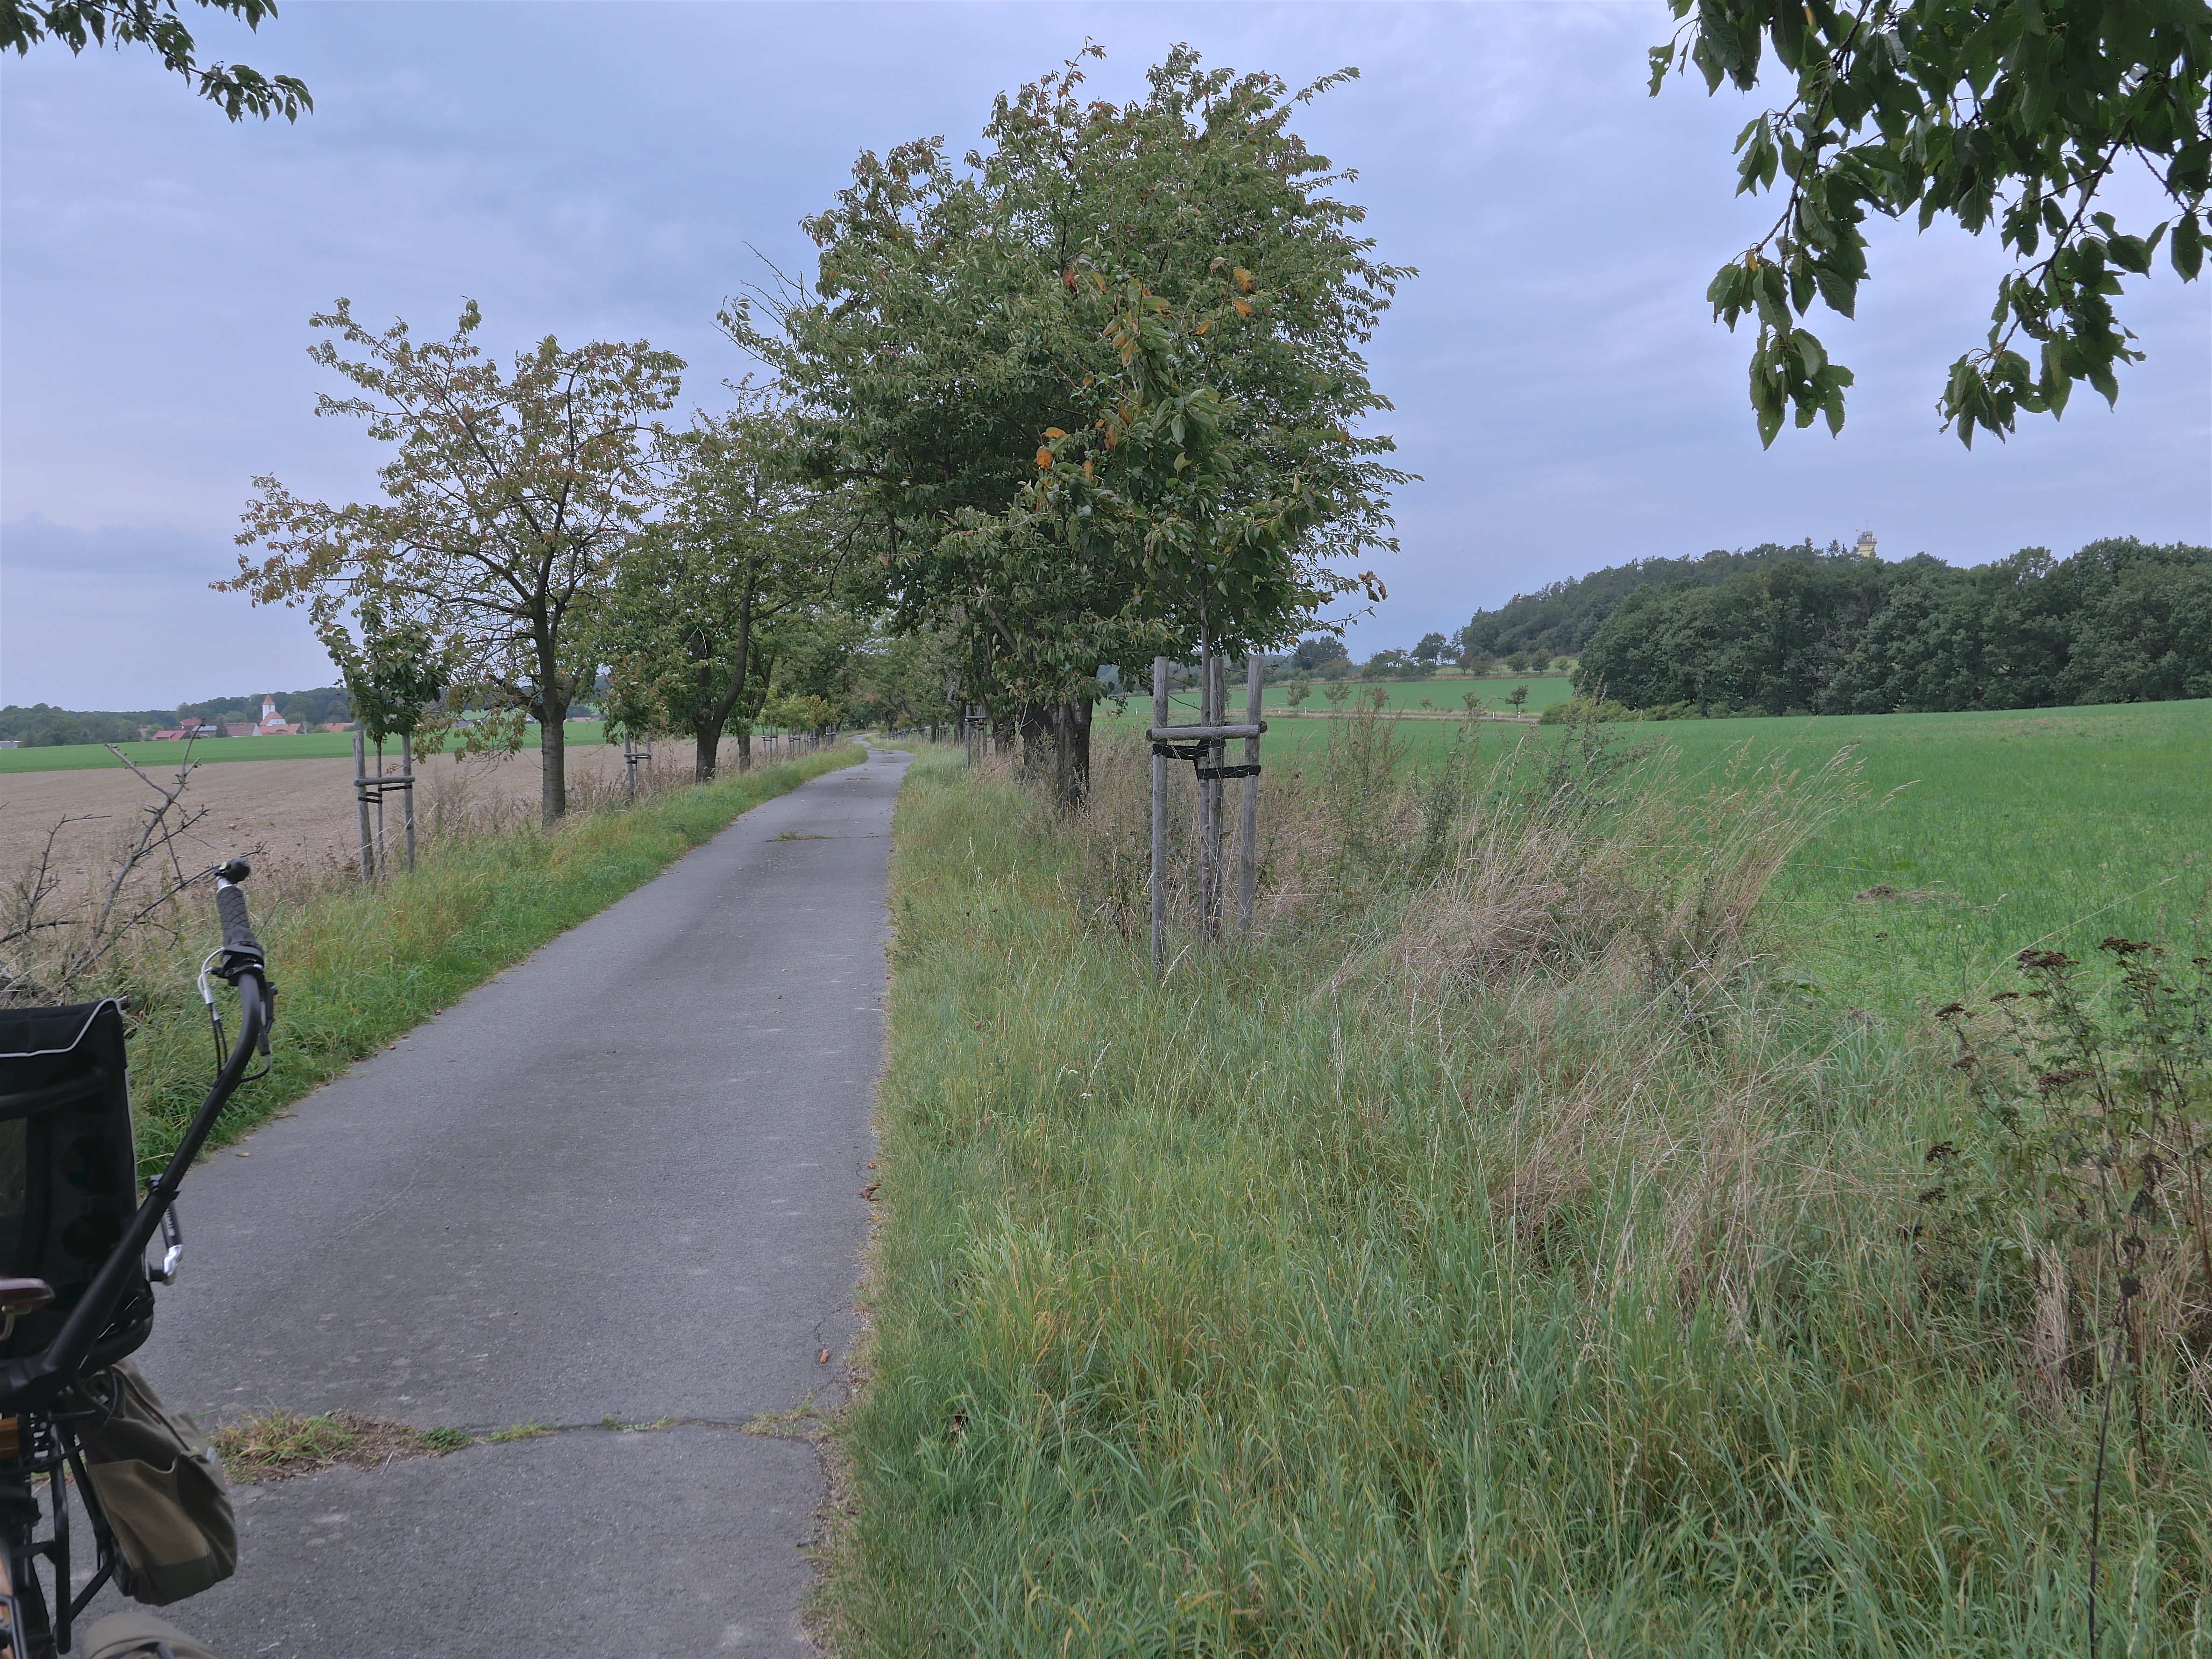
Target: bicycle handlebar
<point>35,1379</point>
<point>239,944</point>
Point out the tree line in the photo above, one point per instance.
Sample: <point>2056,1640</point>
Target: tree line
<point>2120,621</point>
<point>1562,617</point>
<point>1088,393</point>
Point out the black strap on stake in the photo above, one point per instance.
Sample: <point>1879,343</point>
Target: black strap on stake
<point>1195,754</point>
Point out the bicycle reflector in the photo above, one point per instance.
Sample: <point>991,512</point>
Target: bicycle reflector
<point>68,1166</point>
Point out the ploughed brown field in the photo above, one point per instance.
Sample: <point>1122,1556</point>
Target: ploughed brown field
<point>286,815</point>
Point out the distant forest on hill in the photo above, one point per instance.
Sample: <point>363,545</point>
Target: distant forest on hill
<point>1563,619</point>
<point>1790,630</point>
<point>41,725</point>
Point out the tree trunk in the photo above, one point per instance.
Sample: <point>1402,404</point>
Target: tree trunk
<point>553,759</point>
<point>1056,749</point>
<point>1071,754</point>
<point>745,747</point>
<point>709,729</point>
<point>1034,723</point>
<point>708,750</point>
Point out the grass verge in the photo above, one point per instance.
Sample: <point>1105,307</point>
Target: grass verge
<point>277,1444</point>
<point>1280,1310</point>
<point>358,966</point>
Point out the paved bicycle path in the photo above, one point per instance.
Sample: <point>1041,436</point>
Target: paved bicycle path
<point>623,1180</point>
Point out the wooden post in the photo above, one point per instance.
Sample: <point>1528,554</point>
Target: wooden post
<point>360,803</point>
<point>407,796</point>
<point>1202,820</point>
<point>1248,828</point>
<point>383,858</point>
<point>1159,821</point>
<point>1216,794</point>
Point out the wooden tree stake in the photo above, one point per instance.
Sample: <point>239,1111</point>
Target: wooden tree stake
<point>360,803</point>
<point>1159,820</point>
<point>407,771</point>
<point>1248,828</point>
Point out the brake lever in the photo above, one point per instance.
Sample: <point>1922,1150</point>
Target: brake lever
<point>172,1241</point>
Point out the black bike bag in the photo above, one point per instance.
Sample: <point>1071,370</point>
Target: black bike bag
<point>69,1168</point>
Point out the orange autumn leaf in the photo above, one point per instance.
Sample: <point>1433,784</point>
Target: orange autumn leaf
<point>1044,458</point>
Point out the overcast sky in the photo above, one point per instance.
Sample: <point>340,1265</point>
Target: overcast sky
<point>608,170</point>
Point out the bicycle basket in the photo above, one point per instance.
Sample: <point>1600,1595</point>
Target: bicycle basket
<point>69,1167</point>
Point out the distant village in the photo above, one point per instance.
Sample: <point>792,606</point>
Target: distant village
<point>261,715</point>
<point>271,725</point>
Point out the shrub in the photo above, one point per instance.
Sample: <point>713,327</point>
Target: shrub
<point>1586,711</point>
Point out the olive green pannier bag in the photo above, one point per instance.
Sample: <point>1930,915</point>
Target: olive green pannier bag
<point>140,1636</point>
<point>159,1486</point>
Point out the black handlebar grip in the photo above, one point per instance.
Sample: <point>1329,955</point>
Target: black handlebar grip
<point>237,931</point>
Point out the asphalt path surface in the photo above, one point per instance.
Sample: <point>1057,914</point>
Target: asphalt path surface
<point>622,1182</point>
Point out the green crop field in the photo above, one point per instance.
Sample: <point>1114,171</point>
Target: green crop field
<point>2046,828</point>
<point>2053,828</point>
<point>307,745</point>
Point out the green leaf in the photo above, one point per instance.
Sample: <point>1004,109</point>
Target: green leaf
<point>1772,292</point>
<point>2130,253</point>
<point>2186,250</point>
<point>1839,290</point>
<point>1801,284</point>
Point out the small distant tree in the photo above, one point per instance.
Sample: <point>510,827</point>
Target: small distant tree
<point>1517,696</point>
<point>1299,691</point>
<point>801,711</point>
<point>1336,691</point>
<point>1433,649</point>
<point>394,676</point>
<point>504,507</point>
<point>1396,665</point>
<point>742,543</point>
<point>907,679</point>
<point>1312,653</point>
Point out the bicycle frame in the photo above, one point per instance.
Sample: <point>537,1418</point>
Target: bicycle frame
<point>35,1438</point>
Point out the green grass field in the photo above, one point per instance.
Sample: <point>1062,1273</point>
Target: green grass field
<point>2039,826</point>
<point>2051,828</point>
<point>307,745</point>
<point>1288,1308</point>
